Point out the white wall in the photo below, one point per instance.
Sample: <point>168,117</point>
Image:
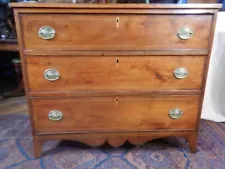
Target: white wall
<point>214,101</point>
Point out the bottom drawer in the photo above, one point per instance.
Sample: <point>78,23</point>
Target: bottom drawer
<point>114,114</point>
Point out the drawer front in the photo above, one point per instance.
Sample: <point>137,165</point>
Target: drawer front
<point>114,73</point>
<point>114,114</point>
<point>115,32</point>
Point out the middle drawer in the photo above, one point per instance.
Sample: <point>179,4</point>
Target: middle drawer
<point>58,73</point>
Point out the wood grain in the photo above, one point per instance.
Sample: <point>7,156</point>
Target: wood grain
<point>115,6</point>
<point>37,144</point>
<point>115,114</point>
<point>23,64</point>
<point>159,52</point>
<point>192,140</point>
<point>69,93</point>
<point>104,73</point>
<point>116,11</point>
<point>111,138</point>
<point>101,98</point>
<point>136,32</point>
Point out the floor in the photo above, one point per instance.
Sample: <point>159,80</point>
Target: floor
<point>13,105</point>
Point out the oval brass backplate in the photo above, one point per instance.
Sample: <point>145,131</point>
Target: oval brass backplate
<point>185,33</point>
<point>180,73</point>
<point>51,74</point>
<point>46,32</point>
<point>55,115</point>
<point>175,113</point>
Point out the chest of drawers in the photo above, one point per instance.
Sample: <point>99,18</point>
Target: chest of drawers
<point>114,72</point>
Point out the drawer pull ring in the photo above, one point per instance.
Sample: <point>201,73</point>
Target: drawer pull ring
<point>51,74</point>
<point>55,115</point>
<point>185,33</point>
<point>180,73</point>
<point>46,32</point>
<point>175,113</point>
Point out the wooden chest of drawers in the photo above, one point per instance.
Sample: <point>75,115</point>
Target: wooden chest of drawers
<point>114,72</point>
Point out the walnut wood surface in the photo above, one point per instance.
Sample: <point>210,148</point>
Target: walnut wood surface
<point>102,32</point>
<point>113,139</point>
<point>115,11</point>
<point>169,52</point>
<point>113,109</point>
<point>69,93</point>
<point>115,73</point>
<point>115,114</point>
<point>114,6</point>
<point>192,140</point>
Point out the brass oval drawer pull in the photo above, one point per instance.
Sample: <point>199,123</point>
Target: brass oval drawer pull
<point>51,74</point>
<point>180,73</point>
<point>185,33</point>
<point>55,115</point>
<point>175,113</point>
<point>46,32</point>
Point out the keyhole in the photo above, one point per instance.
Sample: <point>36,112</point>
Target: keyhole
<point>117,22</point>
<point>117,60</point>
<point>116,100</point>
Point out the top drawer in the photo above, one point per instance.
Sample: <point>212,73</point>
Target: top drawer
<point>120,32</point>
